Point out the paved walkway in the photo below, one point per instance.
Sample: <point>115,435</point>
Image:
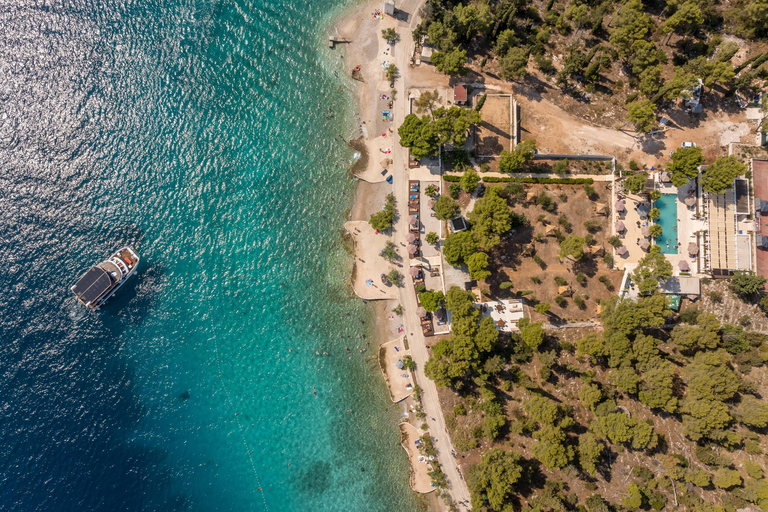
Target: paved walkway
<point>430,401</point>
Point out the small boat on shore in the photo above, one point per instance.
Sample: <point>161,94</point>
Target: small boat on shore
<point>104,279</point>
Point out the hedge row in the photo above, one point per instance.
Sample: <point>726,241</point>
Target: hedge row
<point>554,181</point>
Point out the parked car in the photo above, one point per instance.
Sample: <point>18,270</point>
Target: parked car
<point>688,145</point>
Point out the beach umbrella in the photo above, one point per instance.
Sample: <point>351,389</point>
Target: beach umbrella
<point>645,244</point>
<point>619,226</point>
<point>621,250</point>
<point>500,323</point>
<point>410,238</point>
<point>619,206</point>
<point>690,201</point>
<point>421,312</point>
<point>415,271</point>
<point>499,307</point>
<point>399,364</point>
<point>683,265</point>
<point>646,231</point>
<point>693,248</point>
<point>665,177</point>
<point>431,203</point>
<point>412,249</point>
<point>412,220</point>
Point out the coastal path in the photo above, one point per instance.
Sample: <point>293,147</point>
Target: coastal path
<point>457,486</point>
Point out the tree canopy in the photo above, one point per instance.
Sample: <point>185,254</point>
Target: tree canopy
<point>446,208</point>
<point>424,135</point>
<point>494,478</point>
<point>643,114</point>
<point>458,247</point>
<point>532,334</point>
<point>572,246</point>
<point>652,267</point>
<point>685,165</point>
<point>477,264</point>
<point>382,220</point>
<point>513,161</point>
<point>718,177</point>
<point>452,62</point>
<point>431,300</point>
<point>490,218</point>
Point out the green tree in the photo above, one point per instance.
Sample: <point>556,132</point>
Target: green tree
<point>711,71</point>
<point>705,336</point>
<point>389,35</point>
<point>506,40</point>
<point>719,176</point>
<point>391,73</point>
<point>752,412</point>
<point>469,180</point>
<point>490,218</point>
<point>643,55</point>
<point>513,161</point>
<point>542,308</point>
<point>542,410</point>
<point>656,388</point>
<point>685,165</point>
<point>652,267</point>
<point>532,334</point>
<point>643,114</point>
<point>432,238</point>
<point>550,449</point>
<point>635,183</point>
<point>635,498</point>
<point>417,134</point>
<point>446,208</point>
<point>438,370</point>
<point>572,246</point>
<point>626,379</point>
<point>656,231</point>
<point>451,63</point>
<point>627,316</point>
<point>513,64</point>
<point>431,300</point>
<point>710,377</point>
<point>590,395</point>
<point>747,283</point>
<point>494,478</point>
<point>426,101</point>
<point>458,247</point>
<point>382,220</point>
<point>650,80</point>
<point>703,417</point>
<point>622,429</point>
<point>655,195</point>
<point>726,478</point>
<point>590,452</point>
<point>431,191</point>
<point>632,25</point>
<point>688,18</point>
<point>478,263</point>
<point>395,277</point>
<point>389,252</point>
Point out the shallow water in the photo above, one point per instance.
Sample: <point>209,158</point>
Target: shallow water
<point>210,137</point>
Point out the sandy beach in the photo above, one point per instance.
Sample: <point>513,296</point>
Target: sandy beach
<point>380,111</point>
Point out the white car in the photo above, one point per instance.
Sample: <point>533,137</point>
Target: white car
<point>688,145</point>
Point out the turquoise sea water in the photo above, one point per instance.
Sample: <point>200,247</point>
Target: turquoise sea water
<point>667,206</point>
<point>211,137</point>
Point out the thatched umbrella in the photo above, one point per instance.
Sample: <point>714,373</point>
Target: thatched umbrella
<point>665,178</point>
<point>621,250</point>
<point>619,206</point>
<point>601,208</point>
<point>421,312</point>
<point>412,249</point>
<point>410,238</point>
<point>645,244</point>
<point>412,220</point>
<point>683,265</point>
<point>415,271</point>
<point>619,226</point>
<point>693,248</point>
<point>690,201</point>
<point>646,231</point>
<point>431,203</point>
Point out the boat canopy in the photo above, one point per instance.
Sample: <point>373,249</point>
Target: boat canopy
<point>95,283</point>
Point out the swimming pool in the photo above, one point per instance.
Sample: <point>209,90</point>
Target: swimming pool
<point>667,206</point>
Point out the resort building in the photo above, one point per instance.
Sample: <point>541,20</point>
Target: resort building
<point>459,94</point>
<point>760,182</point>
<point>730,230</point>
<point>504,313</point>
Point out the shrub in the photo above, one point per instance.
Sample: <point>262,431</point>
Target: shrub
<point>506,285</point>
<point>715,296</point>
<point>560,300</point>
<point>459,410</point>
<point>537,259</point>
<point>581,278</point>
<point>633,165</point>
<point>560,281</point>
<point>454,190</point>
<point>592,226</point>
<point>589,190</point>
<point>540,181</point>
<point>536,280</point>
<point>560,167</point>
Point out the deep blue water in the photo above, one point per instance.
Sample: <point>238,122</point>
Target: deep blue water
<point>210,137</point>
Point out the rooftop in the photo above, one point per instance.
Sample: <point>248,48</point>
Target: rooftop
<point>504,313</point>
<point>681,285</point>
<point>459,93</point>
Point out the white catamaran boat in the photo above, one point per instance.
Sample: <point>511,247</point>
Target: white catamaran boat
<point>102,280</point>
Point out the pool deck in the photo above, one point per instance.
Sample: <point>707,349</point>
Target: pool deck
<point>687,227</point>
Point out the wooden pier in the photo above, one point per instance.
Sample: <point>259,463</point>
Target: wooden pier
<point>332,41</point>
